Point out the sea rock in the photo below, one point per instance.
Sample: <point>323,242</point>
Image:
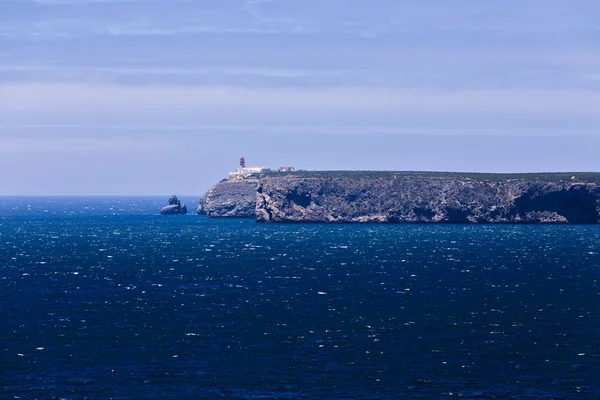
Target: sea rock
<point>428,197</point>
<point>234,198</point>
<point>175,207</point>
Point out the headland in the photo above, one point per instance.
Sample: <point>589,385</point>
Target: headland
<point>406,197</point>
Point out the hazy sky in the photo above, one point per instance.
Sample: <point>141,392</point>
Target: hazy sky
<point>161,97</point>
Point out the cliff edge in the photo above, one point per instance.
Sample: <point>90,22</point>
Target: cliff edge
<point>396,197</point>
<point>233,198</point>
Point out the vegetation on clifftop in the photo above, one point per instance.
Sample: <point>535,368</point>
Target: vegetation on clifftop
<point>589,177</point>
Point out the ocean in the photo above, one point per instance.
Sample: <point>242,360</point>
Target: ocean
<point>102,298</point>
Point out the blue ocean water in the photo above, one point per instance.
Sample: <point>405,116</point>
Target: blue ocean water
<point>102,298</point>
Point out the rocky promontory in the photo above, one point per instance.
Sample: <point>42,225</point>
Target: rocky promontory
<point>407,197</point>
<point>391,197</point>
<point>175,207</point>
<point>234,197</point>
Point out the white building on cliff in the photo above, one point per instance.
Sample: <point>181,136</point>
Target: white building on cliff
<point>249,170</point>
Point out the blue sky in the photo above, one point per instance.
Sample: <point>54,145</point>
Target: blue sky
<point>161,97</point>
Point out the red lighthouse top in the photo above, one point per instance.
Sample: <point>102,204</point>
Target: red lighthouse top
<point>242,162</point>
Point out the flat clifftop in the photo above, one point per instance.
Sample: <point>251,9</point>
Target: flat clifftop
<point>587,177</point>
<point>395,197</point>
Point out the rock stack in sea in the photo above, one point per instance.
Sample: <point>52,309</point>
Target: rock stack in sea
<point>175,207</point>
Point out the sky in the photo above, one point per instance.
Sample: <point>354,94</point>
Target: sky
<point>133,97</point>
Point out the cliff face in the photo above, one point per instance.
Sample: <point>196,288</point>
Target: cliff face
<point>405,197</point>
<point>230,198</point>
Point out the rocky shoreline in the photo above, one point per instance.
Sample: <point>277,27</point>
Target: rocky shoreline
<point>408,197</point>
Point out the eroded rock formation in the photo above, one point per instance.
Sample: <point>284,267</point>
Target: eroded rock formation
<point>175,207</point>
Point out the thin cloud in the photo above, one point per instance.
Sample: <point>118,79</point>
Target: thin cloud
<point>83,2</point>
<point>119,100</point>
<point>64,30</point>
<point>278,130</point>
<point>231,71</point>
<point>12,145</point>
<point>198,30</point>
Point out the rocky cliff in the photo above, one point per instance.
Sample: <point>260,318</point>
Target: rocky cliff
<point>429,197</point>
<point>230,198</point>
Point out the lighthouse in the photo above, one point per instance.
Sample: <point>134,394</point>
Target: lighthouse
<point>244,170</point>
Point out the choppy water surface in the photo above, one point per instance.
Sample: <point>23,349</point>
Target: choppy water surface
<point>144,307</point>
